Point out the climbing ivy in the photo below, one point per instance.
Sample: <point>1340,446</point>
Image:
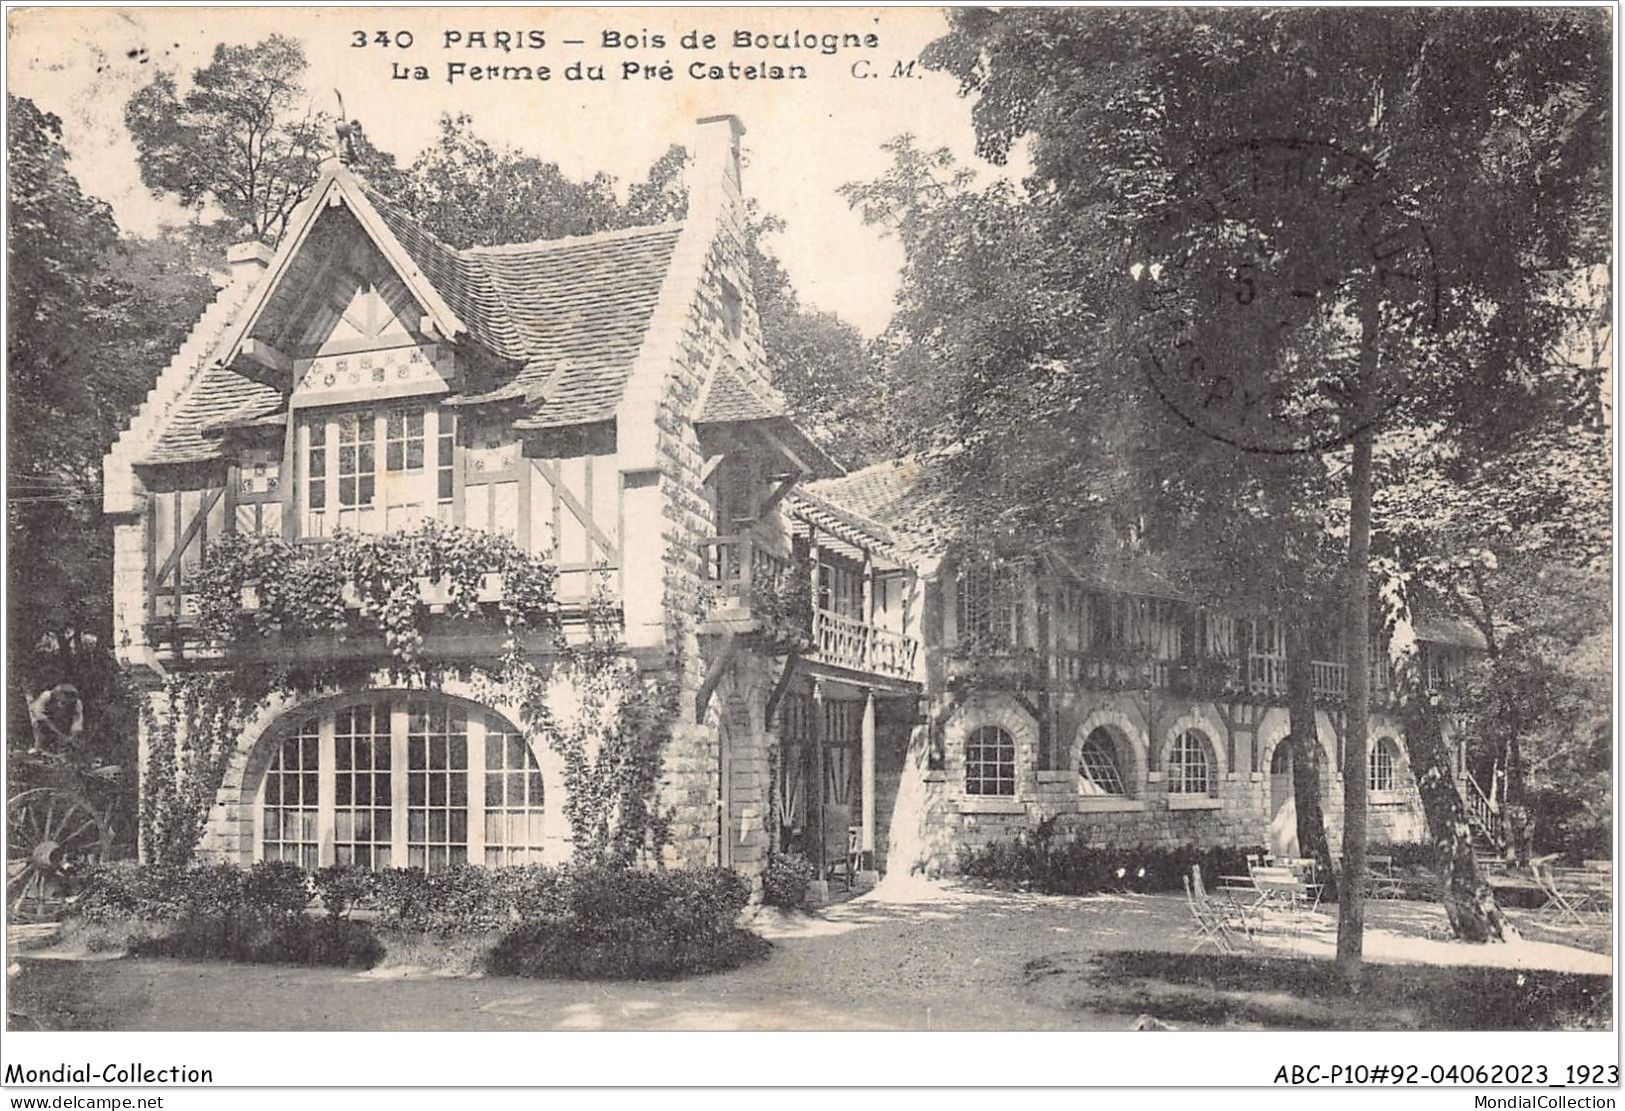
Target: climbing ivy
<point>254,586</point>
<point>189,747</point>
<point>609,723</point>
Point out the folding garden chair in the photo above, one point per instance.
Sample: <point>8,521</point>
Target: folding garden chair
<point>1212,928</point>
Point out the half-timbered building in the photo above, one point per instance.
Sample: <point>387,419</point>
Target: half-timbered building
<point>851,687</point>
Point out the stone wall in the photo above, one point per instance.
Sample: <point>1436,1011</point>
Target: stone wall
<point>1236,810</point>
<point>711,255</point>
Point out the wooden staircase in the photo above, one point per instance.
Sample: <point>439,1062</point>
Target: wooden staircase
<point>1483,819</point>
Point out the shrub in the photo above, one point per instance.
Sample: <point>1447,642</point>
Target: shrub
<point>622,923</point>
<point>401,897</point>
<point>127,891</point>
<point>1036,860</point>
<point>785,880</point>
<point>466,899</point>
<point>341,887</point>
<point>275,890</point>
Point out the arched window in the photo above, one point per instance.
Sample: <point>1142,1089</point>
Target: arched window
<point>1097,765</point>
<point>422,782</point>
<point>990,762</point>
<point>1383,760</point>
<point>1190,765</point>
<point>1281,759</point>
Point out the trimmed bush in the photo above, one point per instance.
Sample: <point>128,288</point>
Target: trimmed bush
<point>601,922</point>
<point>625,924</point>
<point>466,899</point>
<point>341,887</point>
<point>785,880</point>
<point>1037,861</point>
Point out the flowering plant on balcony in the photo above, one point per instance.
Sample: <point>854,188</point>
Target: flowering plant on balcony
<point>781,601</point>
<point>257,586</point>
<point>1208,674</point>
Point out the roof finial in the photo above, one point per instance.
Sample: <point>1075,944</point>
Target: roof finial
<point>348,130</point>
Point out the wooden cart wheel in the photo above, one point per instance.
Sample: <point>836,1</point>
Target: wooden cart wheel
<point>50,835</point>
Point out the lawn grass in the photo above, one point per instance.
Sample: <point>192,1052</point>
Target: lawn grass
<point>1284,993</point>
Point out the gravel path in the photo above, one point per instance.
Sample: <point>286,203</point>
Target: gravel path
<point>912,958</point>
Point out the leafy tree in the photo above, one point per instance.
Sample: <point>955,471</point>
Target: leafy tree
<point>662,195</point>
<point>819,361</point>
<point>1469,120</point>
<point>242,137</point>
<point>90,319</point>
<point>471,193</point>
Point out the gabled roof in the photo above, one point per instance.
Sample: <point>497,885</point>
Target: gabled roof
<point>566,317</point>
<point>730,400</point>
<point>901,495</point>
<point>219,396</point>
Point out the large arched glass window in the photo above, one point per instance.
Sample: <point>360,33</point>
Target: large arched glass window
<point>1383,760</point>
<point>990,762</point>
<point>423,782</point>
<point>1098,767</point>
<point>1190,765</point>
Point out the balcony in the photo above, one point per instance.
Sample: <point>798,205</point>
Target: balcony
<point>752,589</point>
<point>437,592</point>
<point>1258,675</point>
<point>848,642</point>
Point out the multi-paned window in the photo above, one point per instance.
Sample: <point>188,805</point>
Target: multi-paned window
<point>513,800</point>
<point>1381,765</point>
<point>375,469</point>
<point>992,607</point>
<point>1097,765</point>
<point>292,791</point>
<point>1190,765</point>
<point>423,782</point>
<point>990,762</point>
<point>436,786</point>
<point>362,798</point>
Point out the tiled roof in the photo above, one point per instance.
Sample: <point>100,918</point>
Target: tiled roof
<point>1449,630</point>
<point>904,495</point>
<point>219,395</point>
<point>732,400</point>
<point>572,313</point>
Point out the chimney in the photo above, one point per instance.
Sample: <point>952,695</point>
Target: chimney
<point>716,157</point>
<point>247,260</point>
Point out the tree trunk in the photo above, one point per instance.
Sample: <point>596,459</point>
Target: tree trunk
<point>1468,901</point>
<point>1351,907</point>
<point>1306,758</point>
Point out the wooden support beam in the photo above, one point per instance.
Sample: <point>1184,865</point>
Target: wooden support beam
<point>197,525</point>
<point>713,676</point>
<point>784,449</point>
<point>780,688</point>
<point>777,495</point>
<point>867,844</point>
<point>712,462</point>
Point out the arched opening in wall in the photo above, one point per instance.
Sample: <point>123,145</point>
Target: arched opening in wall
<point>1383,765</point>
<point>1191,765</point>
<point>392,780</point>
<point>1102,765</point>
<point>990,762</point>
<point>1283,803</point>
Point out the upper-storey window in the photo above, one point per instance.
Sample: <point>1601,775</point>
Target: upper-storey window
<point>378,469</point>
<point>992,607</point>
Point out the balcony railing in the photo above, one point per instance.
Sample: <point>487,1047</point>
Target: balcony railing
<point>748,579</point>
<point>849,642</point>
<point>1257,674</point>
<point>737,567</point>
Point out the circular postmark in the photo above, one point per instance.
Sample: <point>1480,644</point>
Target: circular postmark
<point>1283,291</point>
